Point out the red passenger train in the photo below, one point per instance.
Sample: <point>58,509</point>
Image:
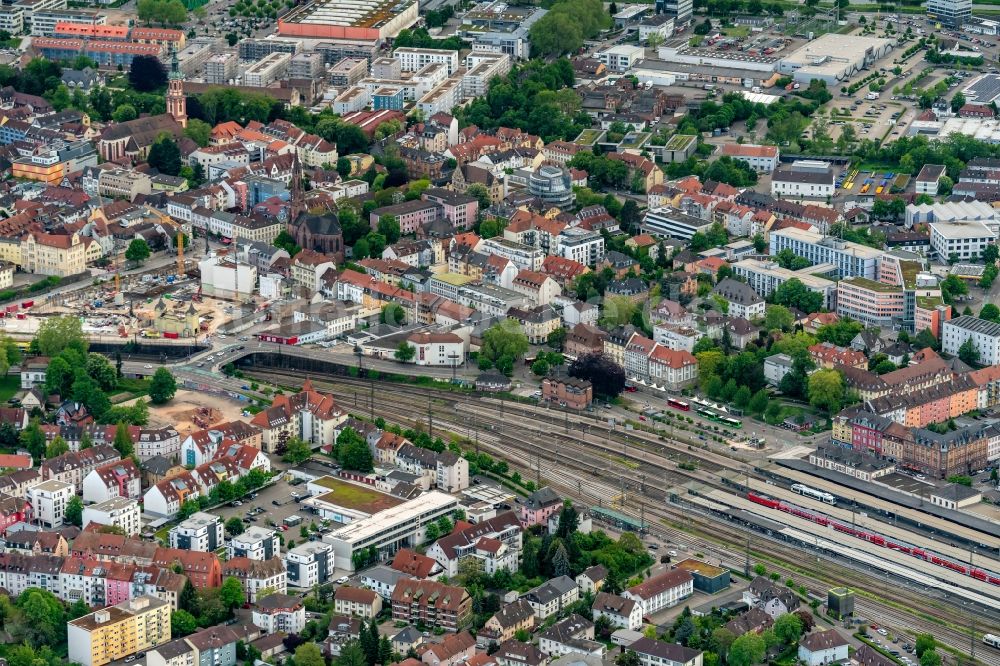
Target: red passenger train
<point>877,539</point>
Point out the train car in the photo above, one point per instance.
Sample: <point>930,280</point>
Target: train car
<point>992,640</point>
<point>764,500</point>
<point>824,497</point>
<point>678,404</point>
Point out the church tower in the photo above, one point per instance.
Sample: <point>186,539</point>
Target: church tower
<point>176,102</point>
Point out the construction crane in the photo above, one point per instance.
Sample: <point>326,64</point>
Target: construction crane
<point>180,255</point>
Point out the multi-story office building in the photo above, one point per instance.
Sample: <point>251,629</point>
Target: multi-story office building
<point>952,13</point>
<point>849,259</point>
<point>766,276</point>
<point>119,631</point>
<point>523,256</point>
<point>673,223</point>
<point>872,303</point>
<point>681,10</point>
<point>804,179</point>
<point>12,19</point>
<point>960,240</point>
<point>387,531</point>
<point>201,532</point>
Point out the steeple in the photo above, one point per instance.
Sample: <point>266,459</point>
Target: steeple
<point>298,205</point>
<point>176,101</point>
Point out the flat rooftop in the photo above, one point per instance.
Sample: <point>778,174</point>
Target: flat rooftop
<point>348,13</point>
<point>355,497</point>
<point>839,48</point>
<point>702,568</point>
<point>367,528</point>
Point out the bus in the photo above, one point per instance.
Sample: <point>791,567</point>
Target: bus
<point>678,404</point>
<point>730,422</point>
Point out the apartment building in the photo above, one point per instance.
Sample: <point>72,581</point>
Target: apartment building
<point>118,631</point>
<point>985,336</point>
<point>662,591</point>
<point>581,245</point>
<point>413,59</point>
<point>123,183</point>
<point>60,255</point>
<point>280,613</point>
<point>309,564</point>
<point>120,512</point>
<point>266,71</point>
<point>221,68</point>
<point>48,501</point>
<point>201,532</point>
<point>432,603</point>
<point>256,543</point>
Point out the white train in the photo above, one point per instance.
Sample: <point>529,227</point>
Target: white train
<point>826,498</point>
<point>992,640</point>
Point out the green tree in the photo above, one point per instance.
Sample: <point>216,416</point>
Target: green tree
<point>59,377</point>
<point>793,294</point>
<point>840,332</point>
<point>78,608</point>
<point>198,131</point>
<point>74,511</point>
<point>353,451</point>
<point>124,113</point>
<point>123,441</point>
<point>788,628</point>
<point>182,623</point>
<point>968,352</point>
<point>505,339</point>
<point>188,509</point>
<point>404,352</point>
<point>930,658</point>
<point>758,403</point>
<point>56,448</point>
<point>826,390</point>
<point>721,641</point>
<point>923,643</point>
<point>925,339</point>
<point>344,167</point>
<point>296,451</point>
<point>746,650</point>
<point>33,440</point>
<point>742,397</point>
<point>991,253</point>
<point>231,593</point>
<point>138,251</point>
<point>165,156</point>
<point>388,226</point>
<point>102,372</point>
<point>147,73</point>
<point>58,333</point>
<point>778,317</point>
<point>393,314</point>
<point>234,526</point>
<point>162,387</point>
<point>43,618</point>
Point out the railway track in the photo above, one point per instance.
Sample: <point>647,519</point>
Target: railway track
<point>497,430</point>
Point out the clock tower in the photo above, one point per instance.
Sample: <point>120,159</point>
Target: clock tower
<point>176,102</point>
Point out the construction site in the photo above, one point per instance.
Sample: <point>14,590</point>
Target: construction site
<point>160,303</point>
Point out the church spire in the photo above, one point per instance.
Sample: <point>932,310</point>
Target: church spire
<point>176,101</point>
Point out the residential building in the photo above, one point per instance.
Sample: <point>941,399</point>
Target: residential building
<point>538,506</point>
<point>458,648</point>
<point>568,391</point>
<point>619,611</point>
<point>120,512</point>
<point>309,564</point>
<point>571,635</point>
<point>929,178</point>
<point>116,479</point>
<point>257,576</point>
<point>502,625</point>
<point>820,648</point>
<point>654,652</point>
<point>743,300</point>
<point>552,596</point>
<point>215,646</point>
<point>118,631</point>
<point>200,532</point>
<point>255,543</point>
<point>985,336</point>
<point>772,598</point>
<point>357,602</point>
<point>432,603</point>
<point>48,501</point>
<point>662,591</point>
<point>59,255</point>
<point>280,613</point>
<point>495,542</point>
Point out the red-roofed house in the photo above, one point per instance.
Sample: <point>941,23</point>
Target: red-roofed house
<point>672,368</point>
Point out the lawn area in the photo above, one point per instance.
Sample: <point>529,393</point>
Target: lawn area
<point>129,389</point>
<point>736,31</point>
<point>352,496</point>
<point>9,385</point>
